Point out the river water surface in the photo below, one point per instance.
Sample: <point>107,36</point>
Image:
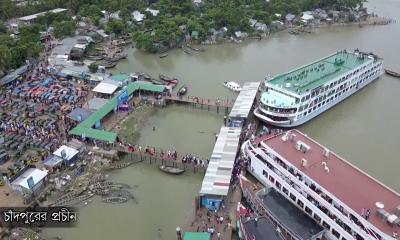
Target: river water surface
<point>363,129</point>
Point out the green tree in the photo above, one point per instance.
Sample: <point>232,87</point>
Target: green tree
<point>3,28</point>
<point>64,28</point>
<point>116,26</point>
<point>93,67</point>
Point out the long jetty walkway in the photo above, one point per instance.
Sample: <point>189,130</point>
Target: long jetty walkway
<point>202,102</point>
<point>163,157</point>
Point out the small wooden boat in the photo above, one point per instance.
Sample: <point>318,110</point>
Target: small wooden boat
<point>187,51</point>
<point>164,78</point>
<point>172,84</point>
<point>146,76</point>
<point>182,91</point>
<point>294,32</point>
<point>171,170</point>
<point>107,64</point>
<point>163,55</point>
<point>392,73</point>
<point>95,58</point>
<point>157,82</point>
<point>195,49</point>
<point>167,79</point>
<point>115,200</point>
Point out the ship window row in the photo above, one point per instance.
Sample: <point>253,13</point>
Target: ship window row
<point>312,200</point>
<point>309,210</point>
<point>278,110</point>
<point>342,89</point>
<point>333,84</point>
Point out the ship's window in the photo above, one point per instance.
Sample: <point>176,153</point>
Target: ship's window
<point>284,190</point>
<point>300,203</point>
<point>335,233</point>
<point>271,179</point>
<point>293,197</point>
<point>308,210</point>
<point>326,225</point>
<point>344,238</point>
<point>309,111</point>
<point>305,114</point>
<point>265,173</point>
<point>314,107</point>
<point>278,185</point>
<point>319,105</point>
<point>317,218</point>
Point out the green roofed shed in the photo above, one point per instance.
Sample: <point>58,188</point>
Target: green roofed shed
<point>196,236</point>
<point>195,34</point>
<point>120,77</point>
<point>86,129</point>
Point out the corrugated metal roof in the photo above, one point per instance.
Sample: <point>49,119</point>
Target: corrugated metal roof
<point>120,77</point>
<point>13,76</point>
<point>197,236</point>
<point>218,175</point>
<point>105,88</point>
<point>245,100</point>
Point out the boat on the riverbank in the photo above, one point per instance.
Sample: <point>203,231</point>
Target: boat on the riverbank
<point>293,98</point>
<point>107,64</point>
<point>392,73</point>
<point>171,170</point>
<point>195,49</point>
<point>185,50</point>
<point>163,55</point>
<point>115,200</point>
<point>182,91</point>
<point>157,81</point>
<point>233,86</point>
<point>166,78</point>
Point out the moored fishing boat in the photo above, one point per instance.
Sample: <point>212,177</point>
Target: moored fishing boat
<point>187,51</point>
<point>171,170</point>
<point>157,82</point>
<point>195,49</point>
<point>115,200</point>
<point>172,84</point>
<point>392,73</point>
<point>107,64</point>
<point>182,91</point>
<point>163,55</point>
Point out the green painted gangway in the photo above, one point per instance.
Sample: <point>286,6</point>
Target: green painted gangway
<point>86,128</point>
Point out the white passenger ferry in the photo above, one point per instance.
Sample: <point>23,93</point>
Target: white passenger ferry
<point>296,97</point>
<point>340,197</point>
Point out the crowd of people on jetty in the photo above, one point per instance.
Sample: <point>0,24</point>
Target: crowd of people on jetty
<point>164,155</point>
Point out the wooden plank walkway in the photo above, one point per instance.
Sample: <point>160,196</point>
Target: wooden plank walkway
<point>227,103</point>
<point>164,157</point>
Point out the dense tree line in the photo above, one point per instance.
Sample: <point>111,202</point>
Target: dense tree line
<point>176,18</point>
<point>13,53</point>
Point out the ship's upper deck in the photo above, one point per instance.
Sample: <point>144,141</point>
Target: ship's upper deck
<point>343,180</point>
<point>318,73</point>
